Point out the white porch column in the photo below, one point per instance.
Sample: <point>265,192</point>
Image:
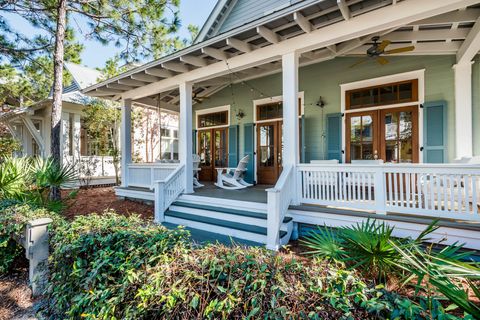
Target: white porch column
<point>185,134</point>
<point>291,138</point>
<point>76,136</point>
<point>463,110</point>
<point>126,139</point>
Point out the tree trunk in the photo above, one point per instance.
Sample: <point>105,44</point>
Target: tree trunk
<point>58,88</point>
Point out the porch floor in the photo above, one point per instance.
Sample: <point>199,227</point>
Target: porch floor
<point>252,194</point>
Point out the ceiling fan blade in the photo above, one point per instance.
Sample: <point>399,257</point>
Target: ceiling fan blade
<point>383,45</point>
<point>382,61</point>
<point>400,50</point>
<point>359,62</point>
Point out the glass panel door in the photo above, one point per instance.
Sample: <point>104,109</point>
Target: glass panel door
<point>269,150</point>
<point>400,135</point>
<point>205,152</point>
<point>213,151</point>
<point>221,148</point>
<point>361,141</point>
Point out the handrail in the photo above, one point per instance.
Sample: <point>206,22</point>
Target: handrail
<point>167,191</point>
<point>278,201</point>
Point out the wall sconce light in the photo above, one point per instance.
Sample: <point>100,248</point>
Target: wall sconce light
<point>320,102</point>
<point>240,114</point>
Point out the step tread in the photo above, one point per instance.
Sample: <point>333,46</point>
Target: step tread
<point>220,223</point>
<point>244,213</point>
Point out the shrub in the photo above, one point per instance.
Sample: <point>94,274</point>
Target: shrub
<point>13,220</point>
<point>114,267</point>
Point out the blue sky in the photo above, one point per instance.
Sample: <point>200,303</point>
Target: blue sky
<point>95,54</point>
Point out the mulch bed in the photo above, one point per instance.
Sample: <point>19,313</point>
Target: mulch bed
<point>99,199</point>
<point>15,296</point>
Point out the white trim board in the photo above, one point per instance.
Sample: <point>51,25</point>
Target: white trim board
<point>404,76</point>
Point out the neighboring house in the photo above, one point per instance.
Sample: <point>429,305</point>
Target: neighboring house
<point>31,126</point>
<point>388,88</point>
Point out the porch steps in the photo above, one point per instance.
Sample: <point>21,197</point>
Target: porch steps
<point>248,223</point>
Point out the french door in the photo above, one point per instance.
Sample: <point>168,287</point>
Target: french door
<point>388,134</point>
<point>269,151</point>
<point>213,151</point>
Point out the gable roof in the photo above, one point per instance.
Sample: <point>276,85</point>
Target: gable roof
<point>83,76</point>
<point>230,14</point>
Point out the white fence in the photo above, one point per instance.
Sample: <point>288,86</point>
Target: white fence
<point>144,175</point>
<point>440,190</point>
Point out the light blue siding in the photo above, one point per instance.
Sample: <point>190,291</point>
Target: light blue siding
<point>245,11</point>
<point>435,132</point>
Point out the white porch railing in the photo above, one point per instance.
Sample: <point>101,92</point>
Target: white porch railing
<point>167,190</point>
<point>93,166</point>
<point>278,201</point>
<point>437,190</point>
<point>143,175</point>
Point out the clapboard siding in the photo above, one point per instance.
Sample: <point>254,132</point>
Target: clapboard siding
<point>245,11</point>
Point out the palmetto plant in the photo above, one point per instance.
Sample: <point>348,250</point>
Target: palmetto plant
<point>13,177</point>
<point>325,243</point>
<point>48,174</point>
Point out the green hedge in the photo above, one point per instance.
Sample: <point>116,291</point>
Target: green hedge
<point>13,219</point>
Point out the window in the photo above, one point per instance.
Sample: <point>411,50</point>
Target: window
<point>386,94</point>
<point>213,119</point>
<point>165,132</point>
<point>270,111</point>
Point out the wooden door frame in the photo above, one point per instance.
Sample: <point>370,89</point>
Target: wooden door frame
<point>415,131</point>
<point>348,116</point>
<point>379,133</point>
<point>276,146</point>
<point>212,146</point>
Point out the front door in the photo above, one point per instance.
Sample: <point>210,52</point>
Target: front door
<point>269,151</point>
<point>388,134</point>
<point>212,148</point>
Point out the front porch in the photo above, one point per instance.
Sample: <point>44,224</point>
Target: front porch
<point>282,91</point>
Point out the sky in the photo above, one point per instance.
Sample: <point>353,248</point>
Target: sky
<point>95,54</point>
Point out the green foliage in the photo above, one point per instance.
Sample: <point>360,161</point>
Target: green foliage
<point>8,146</point>
<point>13,219</point>
<point>13,178</point>
<point>31,180</point>
<point>366,246</point>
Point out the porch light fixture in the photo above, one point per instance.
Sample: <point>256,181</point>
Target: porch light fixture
<point>240,114</point>
<point>320,102</point>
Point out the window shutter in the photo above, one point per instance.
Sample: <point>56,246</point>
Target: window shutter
<point>334,136</point>
<point>233,146</point>
<point>194,141</point>
<point>302,140</point>
<point>249,146</point>
<point>435,132</point>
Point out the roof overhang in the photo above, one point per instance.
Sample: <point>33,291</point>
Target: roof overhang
<point>320,31</point>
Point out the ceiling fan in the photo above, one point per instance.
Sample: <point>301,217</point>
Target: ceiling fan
<point>198,99</point>
<point>377,51</point>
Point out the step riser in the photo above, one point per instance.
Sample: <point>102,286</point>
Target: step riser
<point>221,216</point>
<point>225,216</point>
<point>217,229</point>
<point>232,204</point>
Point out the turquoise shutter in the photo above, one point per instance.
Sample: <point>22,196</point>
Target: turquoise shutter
<point>435,132</point>
<point>302,140</point>
<point>334,136</point>
<point>249,146</point>
<point>194,141</point>
<point>233,146</point>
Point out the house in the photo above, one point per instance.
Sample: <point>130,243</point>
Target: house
<point>31,126</point>
<point>348,110</point>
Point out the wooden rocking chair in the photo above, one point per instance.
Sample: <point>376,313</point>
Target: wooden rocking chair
<point>232,179</point>
<point>196,169</point>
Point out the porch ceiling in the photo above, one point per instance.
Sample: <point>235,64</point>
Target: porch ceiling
<point>455,32</point>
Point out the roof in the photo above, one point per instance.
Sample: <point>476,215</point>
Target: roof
<point>437,28</point>
<point>83,76</point>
